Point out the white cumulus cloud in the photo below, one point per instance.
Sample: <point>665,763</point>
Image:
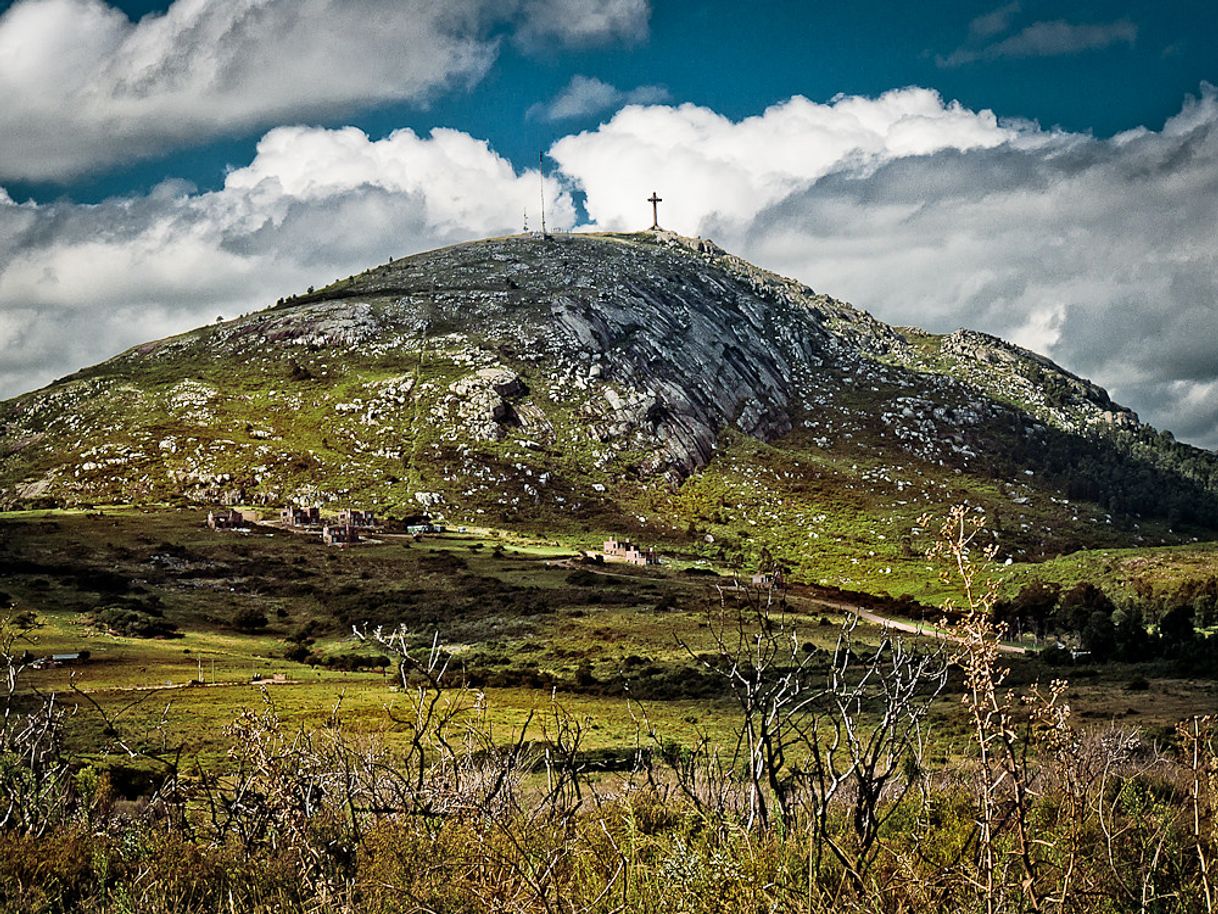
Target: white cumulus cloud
<point>719,171</point>
<point>83,87</point>
<point>1096,252</point>
<point>79,283</point>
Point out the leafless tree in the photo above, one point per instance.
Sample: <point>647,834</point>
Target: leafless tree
<point>756,652</point>
<point>865,740</point>
<point>34,767</point>
<point>817,731</point>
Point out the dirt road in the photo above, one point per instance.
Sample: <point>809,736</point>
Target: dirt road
<point>905,626</point>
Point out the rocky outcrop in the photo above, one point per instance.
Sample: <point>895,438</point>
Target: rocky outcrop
<point>484,366</point>
<point>483,402</point>
<point>1009,372</point>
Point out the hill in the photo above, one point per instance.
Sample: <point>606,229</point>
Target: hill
<point>649,384</point>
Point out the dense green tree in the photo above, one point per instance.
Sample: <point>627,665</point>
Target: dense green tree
<point>1177,628</point>
<point>1030,609</point>
<point>1078,604</point>
<point>1099,636</point>
<point>249,620</point>
<point>1132,640</point>
<point>1202,595</point>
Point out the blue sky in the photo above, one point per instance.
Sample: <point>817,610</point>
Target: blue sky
<point>737,59</point>
<point>1045,172</point>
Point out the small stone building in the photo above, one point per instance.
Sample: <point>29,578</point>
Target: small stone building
<point>625,551</point>
<point>295,516</point>
<point>770,580</point>
<point>339,534</point>
<point>417,529</point>
<point>228,519</point>
<point>64,659</point>
<point>356,518</point>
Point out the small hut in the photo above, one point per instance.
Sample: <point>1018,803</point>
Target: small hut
<point>339,535</point>
<point>225,519</point>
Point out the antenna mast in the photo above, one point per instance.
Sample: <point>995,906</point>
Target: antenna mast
<point>541,181</point>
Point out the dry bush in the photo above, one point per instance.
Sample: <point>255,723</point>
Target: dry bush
<point>824,801</point>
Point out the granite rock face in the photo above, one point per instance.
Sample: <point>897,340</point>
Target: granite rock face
<point>672,342</point>
<point>671,345</point>
<point>522,364</point>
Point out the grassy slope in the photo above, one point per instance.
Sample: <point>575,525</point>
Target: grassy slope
<point>551,626</point>
<point>510,615</point>
<point>838,500</point>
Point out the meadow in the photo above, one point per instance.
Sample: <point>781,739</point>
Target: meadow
<point>585,737</point>
<point>486,720</point>
<point>526,621</point>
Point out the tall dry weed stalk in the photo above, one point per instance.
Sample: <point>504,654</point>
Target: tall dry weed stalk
<point>1001,759</point>
<point>824,797</point>
<point>1199,747</point>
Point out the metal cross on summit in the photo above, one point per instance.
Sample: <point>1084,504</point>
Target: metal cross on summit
<point>655,215</point>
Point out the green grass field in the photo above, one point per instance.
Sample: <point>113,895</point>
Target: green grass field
<point>526,624</point>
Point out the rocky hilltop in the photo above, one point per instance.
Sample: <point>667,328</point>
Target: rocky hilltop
<point>591,379</point>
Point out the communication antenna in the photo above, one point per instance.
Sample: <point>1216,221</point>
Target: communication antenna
<point>541,182</point>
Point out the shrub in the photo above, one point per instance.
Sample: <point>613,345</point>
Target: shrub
<point>352,662</point>
<point>134,623</point>
<point>249,620</point>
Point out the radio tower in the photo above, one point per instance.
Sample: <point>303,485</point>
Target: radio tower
<point>541,182</point>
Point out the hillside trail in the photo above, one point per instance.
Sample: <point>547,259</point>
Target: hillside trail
<point>869,615</point>
<point>865,613</point>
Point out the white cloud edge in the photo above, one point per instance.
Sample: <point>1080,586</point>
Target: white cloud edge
<point>585,96</point>
<point>82,87</point>
<point>897,203</point>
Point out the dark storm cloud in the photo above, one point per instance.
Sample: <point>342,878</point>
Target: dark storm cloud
<point>1098,253</point>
